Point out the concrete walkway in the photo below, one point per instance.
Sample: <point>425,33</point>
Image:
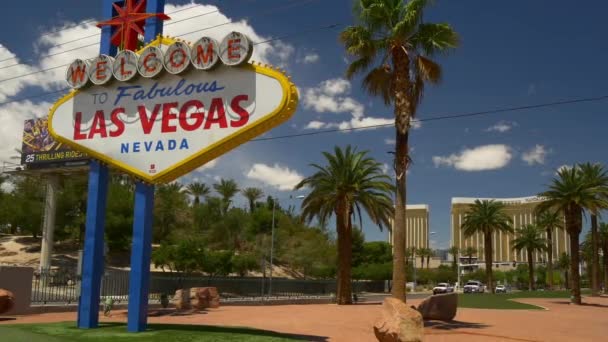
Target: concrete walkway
<point>561,322</point>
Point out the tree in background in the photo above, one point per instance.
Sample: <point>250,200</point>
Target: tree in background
<point>391,38</point>
<point>171,211</point>
<point>550,221</point>
<point>469,252</point>
<point>350,179</point>
<point>563,263</point>
<point>422,253</point>
<point>430,253</point>
<point>197,190</point>
<point>529,239</point>
<point>486,217</point>
<point>252,195</point>
<point>572,192</point>
<point>596,176</point>
<point>455,251</point>
<point>603,239</point>
<point>227,188</point>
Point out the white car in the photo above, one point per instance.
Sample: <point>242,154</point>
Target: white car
<point>443,288</point>
<point>474,286</point>
<point>500,289</point>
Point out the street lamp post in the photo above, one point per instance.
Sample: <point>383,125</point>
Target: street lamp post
<point>274,201</point>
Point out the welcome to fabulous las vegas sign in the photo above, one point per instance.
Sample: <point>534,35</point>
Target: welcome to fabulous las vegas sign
<point>170,107</point>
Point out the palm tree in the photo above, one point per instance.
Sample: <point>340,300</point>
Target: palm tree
<point>393,33</point>
<point>596,175</point>
<point>227,188</point>
<point>422,253</point>
<point>252,195</point>
<point>197,190</point>
<point>350,179</point>
<point>550,221</point>
<point>455,251</point>
<point>409,253</point>
<point>571,192</point>
<point>563,263</point>
<point>603,235</point>
<point>429,254</point>
<point>487,217</point>
<point>529,238</point>
<point>469,252</point>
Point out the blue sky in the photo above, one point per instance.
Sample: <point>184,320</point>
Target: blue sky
<point>512,54</point>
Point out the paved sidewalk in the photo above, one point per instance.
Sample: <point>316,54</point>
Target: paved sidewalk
<point>561,322</point>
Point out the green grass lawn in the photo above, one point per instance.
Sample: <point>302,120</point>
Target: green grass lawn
<point>503,300</point>
<point>116,332</point>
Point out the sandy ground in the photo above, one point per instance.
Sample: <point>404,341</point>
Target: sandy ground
<point>560,322</point>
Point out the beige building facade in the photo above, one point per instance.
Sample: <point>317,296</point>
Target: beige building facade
<point>522,212</point>
<point>417,226</point>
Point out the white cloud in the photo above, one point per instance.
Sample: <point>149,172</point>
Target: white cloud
<point>487,157</point>
<point>276,176</point>
<point>563,167</point>
<point>12,116</point>
<point>389,141</point>
<point>310,58</point>
<point>535,155</point>
<point>208,166</point>
<point>330,97</point>
<point>502,127</point>
<point>415,124</point>
<point>315,125</point>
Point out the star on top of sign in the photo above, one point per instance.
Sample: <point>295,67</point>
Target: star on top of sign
<point>129,23</point>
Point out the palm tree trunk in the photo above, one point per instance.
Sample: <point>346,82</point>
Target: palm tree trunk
<point>595,264</point>
<point>530,271</point>
<point>488,250</point>
<point>574,227</point>
<point>344,295</point>
<point>550,258</point>
<point>605,266</point>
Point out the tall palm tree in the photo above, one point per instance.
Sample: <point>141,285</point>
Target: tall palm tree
<point>392,34</point>
<point>550,220</point>
<point>252,195</point>
<point>571,192</point>
<point>350,179</point>
<point>596,175</point>
<point>422,253</point>
<point>455,251</point>
<point>563,263</point>
<point>469,252</point>
<point>197,190</point>
<point>487,217</point>
<point>603,235</point>
<point>227,188</point>
<point>429,254</point>
<point>529,238</point>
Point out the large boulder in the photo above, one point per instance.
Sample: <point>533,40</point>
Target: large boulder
<point>7,301</point>
<point>441,307</point>
<point>198,298</point>
<point>398,323</point>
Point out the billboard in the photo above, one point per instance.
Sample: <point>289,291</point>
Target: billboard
<point>182,108</point>
<point>39,149</point>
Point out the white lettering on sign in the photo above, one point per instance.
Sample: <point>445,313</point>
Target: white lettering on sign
<point>204,53</point>
<point>177,58</point>
<point>150,62</point>
<point>125,65</point>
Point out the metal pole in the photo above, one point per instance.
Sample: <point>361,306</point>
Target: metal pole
<point>271,249</point>
<point>50,205</point>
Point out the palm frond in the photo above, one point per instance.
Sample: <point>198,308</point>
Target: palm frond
<point>434,38</point>
<point>379,81</point>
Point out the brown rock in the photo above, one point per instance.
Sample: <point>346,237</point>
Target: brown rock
<point>441,307</point>
<point>182,299</point>
<point>204,297</point>
<point>7,301</point>
<point>398,323</point>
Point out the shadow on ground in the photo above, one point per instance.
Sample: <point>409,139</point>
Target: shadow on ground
<point>218,329</point>
<point>4,319</point>
<point>453,325</point>
<point>567,302</point>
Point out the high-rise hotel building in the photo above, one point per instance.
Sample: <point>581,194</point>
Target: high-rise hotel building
<point>522,212</point>
<point>417,226</point>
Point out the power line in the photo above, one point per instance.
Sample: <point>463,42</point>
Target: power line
<point>168,24</point>
<point>446,117</point>
<point>257,43</point>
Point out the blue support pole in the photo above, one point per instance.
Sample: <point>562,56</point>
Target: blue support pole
<point>140,257</point>
<point>141,248</point>
<point>92,261</point>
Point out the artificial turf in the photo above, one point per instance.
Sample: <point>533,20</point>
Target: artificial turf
<point>117,332</point>
<point>502,301</point>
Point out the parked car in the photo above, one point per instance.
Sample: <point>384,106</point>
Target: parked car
<point>500,289</point>
<point>443,288</point>
<point>474,286</point>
